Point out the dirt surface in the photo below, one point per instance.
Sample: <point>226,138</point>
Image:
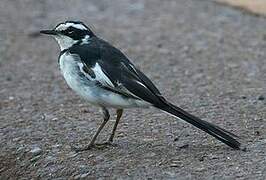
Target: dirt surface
<point>207,58</point>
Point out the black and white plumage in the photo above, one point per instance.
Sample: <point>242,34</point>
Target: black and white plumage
<point>105,77</point>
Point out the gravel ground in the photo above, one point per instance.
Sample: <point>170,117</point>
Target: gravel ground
<point>207,58</point>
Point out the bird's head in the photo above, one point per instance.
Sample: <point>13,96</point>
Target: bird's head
<point>69,33</point>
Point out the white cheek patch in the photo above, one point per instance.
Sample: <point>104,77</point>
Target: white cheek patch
<point>85,40</point>
<point>65,42</point>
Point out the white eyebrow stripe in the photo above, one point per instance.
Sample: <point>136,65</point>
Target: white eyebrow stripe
<point>63,27</point>
<point>79,26</point>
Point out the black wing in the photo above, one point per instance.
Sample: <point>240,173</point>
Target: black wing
<point>115,72</point>
<point>125,77</point>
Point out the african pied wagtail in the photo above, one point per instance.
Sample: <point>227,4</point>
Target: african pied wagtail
<point>105,77</point>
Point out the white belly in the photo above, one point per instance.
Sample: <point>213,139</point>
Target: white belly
<point>89,90</point>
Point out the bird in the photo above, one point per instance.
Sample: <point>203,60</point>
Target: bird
<point>105,77</point>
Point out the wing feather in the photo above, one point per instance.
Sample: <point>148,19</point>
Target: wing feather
<point>113,71</point>
<point>101,77</point>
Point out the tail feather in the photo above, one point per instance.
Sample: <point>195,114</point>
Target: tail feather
<point>217,132</point>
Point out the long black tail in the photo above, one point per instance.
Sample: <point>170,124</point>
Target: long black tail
<point>219,133</point>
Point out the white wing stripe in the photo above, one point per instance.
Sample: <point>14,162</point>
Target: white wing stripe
<point>140,83</point>
<point>81,65</point>
<point>100,76</point>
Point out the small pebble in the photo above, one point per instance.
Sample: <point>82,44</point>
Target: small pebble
<point>150,155</point>
<point>174,165</point>
<point>50,158</point>
<point>244,97</point>
<point>261,98</point>
<point>200,169</point>
<point>85,111</point>
<point>71,155</point>
<point>55,119</point>
<point>201,158</point>
<point>81,176</point>
<point>244,149</point>
<point>20,149</point>
<point>36,151</point>
<point>184,146</point>
<point>9,78</point>
<point>84,175</point>
<point>159,45</point>
<point>35,158</point>
<point>257,133</point>
<point>16,139</point>
<point>77,177</point>
<point>212,156</point>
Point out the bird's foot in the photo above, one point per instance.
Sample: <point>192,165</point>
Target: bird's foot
<point>93,146</point>
<point>84,148</point>
<point>106,144</point>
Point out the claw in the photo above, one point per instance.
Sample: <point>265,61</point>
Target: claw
<point>105,144</point>
<point>80,149</point>
<point>93,146</point>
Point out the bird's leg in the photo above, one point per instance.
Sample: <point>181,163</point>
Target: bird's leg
<point>105,120</point>
<point>92,143</point>
<point>119,113</point>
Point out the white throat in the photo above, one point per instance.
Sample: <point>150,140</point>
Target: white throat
<point>65,42</point>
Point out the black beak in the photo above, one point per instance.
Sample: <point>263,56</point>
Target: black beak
<point>49,32</point>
